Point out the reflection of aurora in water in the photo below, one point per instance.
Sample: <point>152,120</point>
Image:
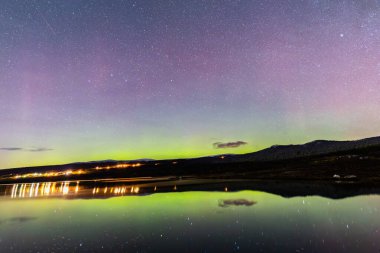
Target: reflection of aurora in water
<point>185,222</point>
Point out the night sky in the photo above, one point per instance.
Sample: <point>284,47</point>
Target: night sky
<point>93,80</point>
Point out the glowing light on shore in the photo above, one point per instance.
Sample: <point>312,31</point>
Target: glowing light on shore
<point>51,174</point>
<point>119,166</point>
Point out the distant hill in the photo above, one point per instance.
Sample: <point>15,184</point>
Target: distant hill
<point>318,147</point>
<point>320,159</point>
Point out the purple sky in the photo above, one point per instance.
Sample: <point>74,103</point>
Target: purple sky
<point>89,80</point>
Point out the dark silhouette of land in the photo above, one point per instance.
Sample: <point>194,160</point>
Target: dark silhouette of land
<point>355,164</point>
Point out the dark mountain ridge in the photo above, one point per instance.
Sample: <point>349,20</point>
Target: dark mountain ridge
<point>314,148</point>
<point>316,160</point>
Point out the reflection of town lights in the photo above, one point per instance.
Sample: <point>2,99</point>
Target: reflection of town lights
<point>36,191</point>
<point>48,189</point>
<point>14,190</point>
<point>42,189</point>
<point>31,191</point>
<point>21,189</point>
<point>24,191</point>
<point>65,188</point>
<point>77,187</point>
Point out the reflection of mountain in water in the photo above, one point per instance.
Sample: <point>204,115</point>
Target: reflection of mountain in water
<point>236,202</point>
<point>107,189</point>
<point>17,219</point>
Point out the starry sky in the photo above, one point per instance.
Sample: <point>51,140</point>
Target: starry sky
<point>93,80</point>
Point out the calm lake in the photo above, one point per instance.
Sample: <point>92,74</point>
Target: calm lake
<point>67,217</point>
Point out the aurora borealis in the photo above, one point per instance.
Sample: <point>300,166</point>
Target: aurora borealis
<point>93,80</point>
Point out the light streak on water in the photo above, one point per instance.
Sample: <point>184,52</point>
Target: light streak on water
<point>68,189</point>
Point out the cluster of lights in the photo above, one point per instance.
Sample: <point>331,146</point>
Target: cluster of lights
<point>75,172</point>
<point>119,166</point>
<point>51,174</point>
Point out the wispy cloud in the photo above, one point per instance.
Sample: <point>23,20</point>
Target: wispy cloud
<point>25,149</point>
<point>234,144</point>
<point>11,149</point>
<point>39,149</point>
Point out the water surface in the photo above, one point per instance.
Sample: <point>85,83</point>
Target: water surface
<point>76,219</point>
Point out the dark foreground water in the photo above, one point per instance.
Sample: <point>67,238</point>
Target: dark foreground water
<point>67,218</point>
